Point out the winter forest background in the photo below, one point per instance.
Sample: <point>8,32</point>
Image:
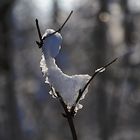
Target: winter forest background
<point>98,31</point>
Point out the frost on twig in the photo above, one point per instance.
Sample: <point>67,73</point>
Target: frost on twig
<point>67,86</point>
<point>102,69</point>
<point>73,88</point>
<point>70,90</point>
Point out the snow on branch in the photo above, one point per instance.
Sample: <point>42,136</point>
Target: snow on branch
<point>59,30</point>
<point>69,90</point>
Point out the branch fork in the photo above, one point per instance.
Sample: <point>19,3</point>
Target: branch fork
<point>40,43</point>
<point>70,113</point>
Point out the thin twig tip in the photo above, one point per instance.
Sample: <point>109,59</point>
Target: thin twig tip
<point>116,59</point>
<point>59,30</point>
<point>71,11</point>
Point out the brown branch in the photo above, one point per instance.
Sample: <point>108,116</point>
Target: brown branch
<point>68,116</point>
<point>67,113</point>
<point>81,91</point>
<point>39,34</point>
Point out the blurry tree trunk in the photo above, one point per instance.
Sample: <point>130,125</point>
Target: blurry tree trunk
<point>10,129</point>
<point>55,15</point>
<point>131,79</point>
<point>128,29</point>
<point>100,55</point>
<point>106,119</point>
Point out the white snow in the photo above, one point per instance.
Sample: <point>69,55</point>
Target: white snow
<point>67,86</point>
<point>102,69</point>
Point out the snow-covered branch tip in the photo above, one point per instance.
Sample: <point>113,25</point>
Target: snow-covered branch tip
<point>69,90</point>
<point>40,43</point>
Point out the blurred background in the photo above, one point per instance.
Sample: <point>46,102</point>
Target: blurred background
<point>97,32</point>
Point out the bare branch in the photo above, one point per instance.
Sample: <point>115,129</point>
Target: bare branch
<point>39,34</point>
<point>68,116</point>
<point>59,30</point>
<point>81,91</point>
<point>97,72</point>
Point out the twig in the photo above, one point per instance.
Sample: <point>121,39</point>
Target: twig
<point>39,34</point>
<point>81,91</point>
<point>97,72</point>
<point>59,30</point>
<point>68,116</point>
